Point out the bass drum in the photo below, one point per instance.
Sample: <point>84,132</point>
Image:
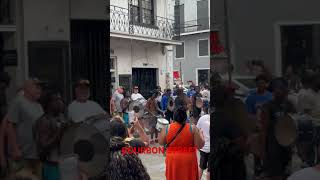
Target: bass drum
<point>89,141</point>
<point>100,122</point>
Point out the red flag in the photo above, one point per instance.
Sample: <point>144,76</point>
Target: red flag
<point>176,74</point>
<point>215,46</point>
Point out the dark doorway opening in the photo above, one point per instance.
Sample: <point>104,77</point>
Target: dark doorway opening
<point>203,76</point>
<point>146,79</point>
<point>299,46</point>
<point>90,58</point>
<point>49,61</point>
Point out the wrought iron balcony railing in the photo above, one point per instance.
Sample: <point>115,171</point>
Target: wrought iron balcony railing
<point>195,25</point>
<point>7,16</point>
<point>156,27</point>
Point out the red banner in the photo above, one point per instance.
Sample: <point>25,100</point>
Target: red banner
<point>176,74</point>
<point>215,46</point>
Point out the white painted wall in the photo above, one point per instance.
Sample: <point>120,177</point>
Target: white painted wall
<point>142,52</point>
<point>89,9</point>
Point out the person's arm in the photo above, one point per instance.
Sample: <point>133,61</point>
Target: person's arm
<point>12,120</point>
<point>198,137</point>
<point>12,138</point>
<point>157,106</point>
<point>143,136</point>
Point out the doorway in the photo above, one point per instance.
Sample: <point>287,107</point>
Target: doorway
<point>146,79</point>
<point>203,76</point>
<point>299,44</point>
<point>89,50</point>
<point>49,61</point>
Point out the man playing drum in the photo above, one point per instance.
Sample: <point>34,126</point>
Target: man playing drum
<point>276,157</point>
<point>153,108</point>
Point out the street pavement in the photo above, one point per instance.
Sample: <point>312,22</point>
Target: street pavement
<point>155,164</point>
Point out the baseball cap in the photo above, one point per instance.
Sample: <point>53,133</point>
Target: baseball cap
<point>37,81</point>
<point>82,81</point>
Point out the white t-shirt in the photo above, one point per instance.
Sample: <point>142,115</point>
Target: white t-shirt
<point>136,96</point>
<point>78,111</point>
<point>204,125</point>
<point>306,174</point>
<point>308,99</point>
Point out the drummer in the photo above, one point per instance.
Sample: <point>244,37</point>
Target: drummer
<point>276,157</point>
<point>153,108</point>
<point>82,108</point>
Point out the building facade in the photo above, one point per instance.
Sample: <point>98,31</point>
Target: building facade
<point>142,43</point>
<point>192,58</point>
<point>277,33</point>
<point>57,41</point>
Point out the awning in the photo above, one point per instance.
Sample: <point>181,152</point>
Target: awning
<point>143,38</point>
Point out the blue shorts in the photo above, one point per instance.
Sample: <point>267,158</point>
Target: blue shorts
<point>126,118</point>
<point>50,171</point>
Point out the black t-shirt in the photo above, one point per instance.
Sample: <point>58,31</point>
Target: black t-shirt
<point>224,127</point>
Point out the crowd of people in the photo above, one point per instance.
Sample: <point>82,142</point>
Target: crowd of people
<point>188,126</point>
<point>33,124</point>
<point>272,101</point>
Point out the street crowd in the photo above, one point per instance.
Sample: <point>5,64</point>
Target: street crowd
<point>185,121</point>
<point>251,137</point>
<point>258,137</point>
<point>32,127</point>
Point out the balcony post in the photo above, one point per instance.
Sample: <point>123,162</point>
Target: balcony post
<point>131,30</point>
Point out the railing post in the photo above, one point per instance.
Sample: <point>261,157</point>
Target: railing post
<point>131,30</point>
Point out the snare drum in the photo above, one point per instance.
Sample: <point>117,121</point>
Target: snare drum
<point>161,123</point>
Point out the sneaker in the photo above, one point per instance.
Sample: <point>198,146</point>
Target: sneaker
<point>151,142</point>
<point>156,141</point>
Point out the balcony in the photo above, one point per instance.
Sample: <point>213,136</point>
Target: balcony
<point>7,12</point>
<point>152,27</point>
<point>195,25</point>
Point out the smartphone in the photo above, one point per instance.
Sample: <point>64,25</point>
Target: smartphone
<point>69,167</point>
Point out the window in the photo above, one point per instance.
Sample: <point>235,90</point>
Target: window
<point>203,76</point>
<point>180,51</point>
<point>203,47</point>
<point>142,12</point>
<point>203,15</point>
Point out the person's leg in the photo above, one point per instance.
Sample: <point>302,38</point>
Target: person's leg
<point>208,175</point>
<point>156,134</point>
<point>203,162</point>
<point>200,173</point>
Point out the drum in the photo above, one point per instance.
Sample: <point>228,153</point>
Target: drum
<point>161,123</point>
<point>285,131</point>
<point>89,141</point>
<point>100,123</point>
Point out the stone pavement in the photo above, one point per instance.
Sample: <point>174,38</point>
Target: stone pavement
<point>155,164</point>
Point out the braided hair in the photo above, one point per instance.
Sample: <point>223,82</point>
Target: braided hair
<point>125,166</point>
